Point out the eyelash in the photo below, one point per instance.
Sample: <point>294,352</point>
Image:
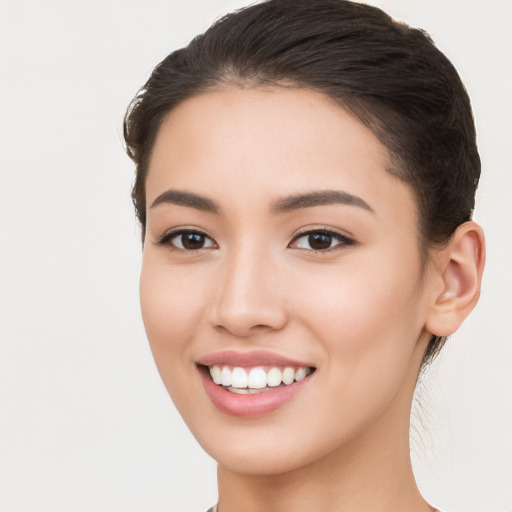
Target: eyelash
<point>170,235</point>
<point>343,240</point>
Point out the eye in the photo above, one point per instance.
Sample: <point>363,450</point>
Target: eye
<point>187,240</point>
<point>320,240</point>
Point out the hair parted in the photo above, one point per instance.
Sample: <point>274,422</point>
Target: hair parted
<point>388,75</point>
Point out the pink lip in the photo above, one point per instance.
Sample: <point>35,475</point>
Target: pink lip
<point>249,359</point>
<point>246,406</point>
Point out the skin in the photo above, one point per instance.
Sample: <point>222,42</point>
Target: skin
<point>361,313</point>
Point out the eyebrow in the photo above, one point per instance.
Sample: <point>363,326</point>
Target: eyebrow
<point>319,198</point>
<point>186,199</point>
<point>284,205</point>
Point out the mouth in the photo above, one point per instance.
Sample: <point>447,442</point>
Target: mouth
<point>252,384</point>
<point>259,379</point>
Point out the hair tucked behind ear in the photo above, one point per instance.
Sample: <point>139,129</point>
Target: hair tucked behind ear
<point>390,76</point>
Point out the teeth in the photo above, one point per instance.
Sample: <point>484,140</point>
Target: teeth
<point>239,380</point>
<point>246,391</point>
<point>274,377</point>
<point>225,376</point>
<point>216,373</point>
<point>300,374</point>
<point>288,375</point>
<point>257,378</point>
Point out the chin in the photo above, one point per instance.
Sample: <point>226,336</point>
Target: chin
<point>255,462</point>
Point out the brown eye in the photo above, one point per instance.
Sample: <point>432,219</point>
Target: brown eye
<point>192,241</point>
<point>321,240</point>
<point>187,240</point>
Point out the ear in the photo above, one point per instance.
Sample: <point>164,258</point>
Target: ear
<point>459,267</point>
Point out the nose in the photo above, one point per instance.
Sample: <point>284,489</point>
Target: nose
<point>250,297</point>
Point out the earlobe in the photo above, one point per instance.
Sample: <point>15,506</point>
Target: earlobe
<point>460,265</point>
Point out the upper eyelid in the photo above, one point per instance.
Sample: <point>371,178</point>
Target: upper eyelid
<point>326,230</point>
<point>344,239</point>
<point>173,232</point>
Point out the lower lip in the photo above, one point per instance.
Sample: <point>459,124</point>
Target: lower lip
<point>253,405</point>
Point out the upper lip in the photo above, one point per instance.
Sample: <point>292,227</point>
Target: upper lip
<point>250,359</point>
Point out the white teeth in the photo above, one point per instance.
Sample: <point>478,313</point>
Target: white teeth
<point>246,391</point>
<point>300,374</point>
<point>239,380</point>
<point>274,377</point>
<point>288,375</point>
<point>225,376</point>
<point>257,378</point>
<point>216,373</point>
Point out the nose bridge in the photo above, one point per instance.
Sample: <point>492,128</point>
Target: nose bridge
<point>249,298</point>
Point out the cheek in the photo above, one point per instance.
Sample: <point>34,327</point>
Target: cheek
<point>368,323</point>
<point>171,304</point>
<point>367,314</point>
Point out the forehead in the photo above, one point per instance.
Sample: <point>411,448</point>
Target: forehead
<point>268,142</point>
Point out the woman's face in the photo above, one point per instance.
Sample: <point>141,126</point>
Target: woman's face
<point>277,239</point>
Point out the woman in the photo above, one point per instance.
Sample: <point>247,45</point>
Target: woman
<point>306,173</point>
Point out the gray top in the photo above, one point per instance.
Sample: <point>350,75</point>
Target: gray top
<point>214,509</point>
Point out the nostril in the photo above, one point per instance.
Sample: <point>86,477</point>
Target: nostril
<point>244,324</point>
<point>242,332</point>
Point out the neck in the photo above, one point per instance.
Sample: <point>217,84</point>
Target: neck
<point>359,480</point>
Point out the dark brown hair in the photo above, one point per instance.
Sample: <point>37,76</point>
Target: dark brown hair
<point>390,76</point>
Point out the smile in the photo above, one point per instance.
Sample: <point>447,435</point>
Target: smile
<point>252,384</point>
<point>256,380</point>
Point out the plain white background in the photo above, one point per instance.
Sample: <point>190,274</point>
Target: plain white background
<point>86,425</point>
